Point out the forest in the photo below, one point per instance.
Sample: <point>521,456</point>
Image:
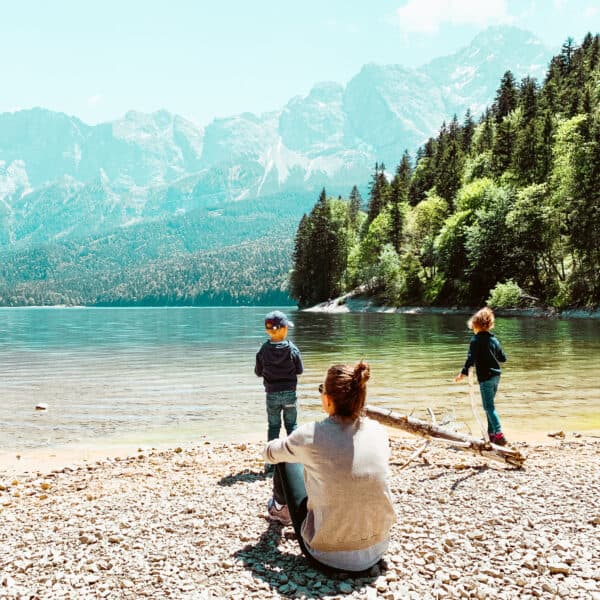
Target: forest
<point>235,254</point>
<point>503,208</point>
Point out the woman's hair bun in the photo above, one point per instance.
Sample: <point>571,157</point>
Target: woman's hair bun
<point>362,372</point>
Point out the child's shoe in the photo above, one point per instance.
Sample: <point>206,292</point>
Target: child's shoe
<point>278,514</point>
<point>498,439</point>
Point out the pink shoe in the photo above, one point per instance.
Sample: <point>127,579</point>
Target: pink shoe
<point>498,439</point>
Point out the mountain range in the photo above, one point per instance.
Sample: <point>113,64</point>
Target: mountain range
<point>64,182</point>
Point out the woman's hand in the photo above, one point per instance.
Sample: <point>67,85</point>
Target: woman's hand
<point>458,377</point>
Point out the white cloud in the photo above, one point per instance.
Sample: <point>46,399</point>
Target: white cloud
<point>427,16</point>
<point>591,11</point>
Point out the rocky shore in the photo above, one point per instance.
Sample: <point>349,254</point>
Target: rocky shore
<point>357,301</point>
<point>191,523</point>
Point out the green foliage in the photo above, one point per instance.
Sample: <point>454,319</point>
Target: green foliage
<point>472,195</point>
<point>478,167</point>
<point>506,295</point>
<point>321,251</point>
<point>506,208</point>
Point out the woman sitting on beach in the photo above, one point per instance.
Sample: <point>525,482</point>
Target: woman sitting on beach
<point>330,479</point>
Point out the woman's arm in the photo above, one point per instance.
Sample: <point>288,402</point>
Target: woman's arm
<point>293,448</point>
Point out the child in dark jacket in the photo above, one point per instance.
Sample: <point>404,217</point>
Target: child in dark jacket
<point>279,363</point>
<point>485,352</point>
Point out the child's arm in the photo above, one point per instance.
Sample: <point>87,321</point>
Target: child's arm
<point>469,362</point>
<point>499,352</point>
<point>297,358</point>
<point>258,367</point>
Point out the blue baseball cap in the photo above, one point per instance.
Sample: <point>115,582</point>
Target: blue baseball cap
<point>276,319</point>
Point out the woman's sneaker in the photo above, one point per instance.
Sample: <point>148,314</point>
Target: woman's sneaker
<point>278,514</point>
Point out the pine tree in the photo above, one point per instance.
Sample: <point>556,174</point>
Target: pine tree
<point>377,194</point>
<point>485,140</point>
<point>506,97</point>
<point>525,156</point>
<point>449,162</point>
<point>468,129</point>
<point>424,174</point>
<point>301,275</point>
<point>503,147</point>
<point>399,190</point>
<point>354,206</point>
<point>566,54</point>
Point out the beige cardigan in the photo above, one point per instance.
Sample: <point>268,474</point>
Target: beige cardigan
<point>345,473</point>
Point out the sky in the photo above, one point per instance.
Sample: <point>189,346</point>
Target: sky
<point>203,60</point>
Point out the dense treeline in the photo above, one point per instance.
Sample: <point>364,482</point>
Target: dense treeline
<point>230,254</point>
<point>508,205</point>
<point>249,273</point>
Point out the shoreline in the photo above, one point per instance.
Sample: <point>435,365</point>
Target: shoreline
<point>50,458</point>
<point>190,523</point>
<point>357,302</point>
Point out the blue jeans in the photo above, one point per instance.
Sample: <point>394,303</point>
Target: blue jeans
<point>278,402</point>
<point>488,391</point>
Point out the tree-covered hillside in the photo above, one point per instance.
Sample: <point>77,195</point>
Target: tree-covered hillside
<point>507,205</point>
<point>229,254</point>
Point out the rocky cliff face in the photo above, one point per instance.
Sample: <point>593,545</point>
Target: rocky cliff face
<point>62,179</point>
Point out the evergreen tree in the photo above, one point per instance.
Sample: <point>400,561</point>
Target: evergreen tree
<point>468,129</point>
<point>544,152</point>
<point>450,162</point>
<point>506,97</point>
<point>503,147</point>
<point>302,270</point>
<point>566,54</point>
<point>485,138</point>
<point>399,189</point>
<point>354,206</point>
<point>378,193</point>
<point>525,156</point>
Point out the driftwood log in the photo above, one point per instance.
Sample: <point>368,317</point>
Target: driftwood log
<point>434,432</point>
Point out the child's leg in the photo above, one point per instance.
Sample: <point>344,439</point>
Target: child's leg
<point>290,411</point>
<point>273,415</point>
<point>488,391</point>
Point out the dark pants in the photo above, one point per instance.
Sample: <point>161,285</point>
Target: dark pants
<point>288,488</point>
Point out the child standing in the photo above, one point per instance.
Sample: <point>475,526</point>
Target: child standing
<point>279,363</point>
<point>485,352</point>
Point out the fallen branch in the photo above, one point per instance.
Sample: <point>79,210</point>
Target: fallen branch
<point>414,455</point>
<point>429,431</point>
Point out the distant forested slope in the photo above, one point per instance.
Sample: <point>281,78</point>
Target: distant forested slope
<point>238,253</point>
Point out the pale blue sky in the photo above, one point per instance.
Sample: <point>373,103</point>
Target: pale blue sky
<point>97,59</point>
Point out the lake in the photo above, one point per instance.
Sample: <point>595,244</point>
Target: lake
<point>173,375</point>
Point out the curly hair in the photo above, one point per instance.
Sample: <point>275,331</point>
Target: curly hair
<point>483,319</point>
<point>346,385</point>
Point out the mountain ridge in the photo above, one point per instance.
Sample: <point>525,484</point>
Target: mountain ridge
<point>62,180</point>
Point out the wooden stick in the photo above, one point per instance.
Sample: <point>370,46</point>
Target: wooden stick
<point>484,433</point>
<point>415,454</point>
<point>429,431</point>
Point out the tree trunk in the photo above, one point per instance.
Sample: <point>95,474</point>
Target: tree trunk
<point>429,431</point>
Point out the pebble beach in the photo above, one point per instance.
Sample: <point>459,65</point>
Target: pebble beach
<point>191,523</point>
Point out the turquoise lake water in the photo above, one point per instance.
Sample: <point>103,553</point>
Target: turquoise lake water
<point>177,374</point>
